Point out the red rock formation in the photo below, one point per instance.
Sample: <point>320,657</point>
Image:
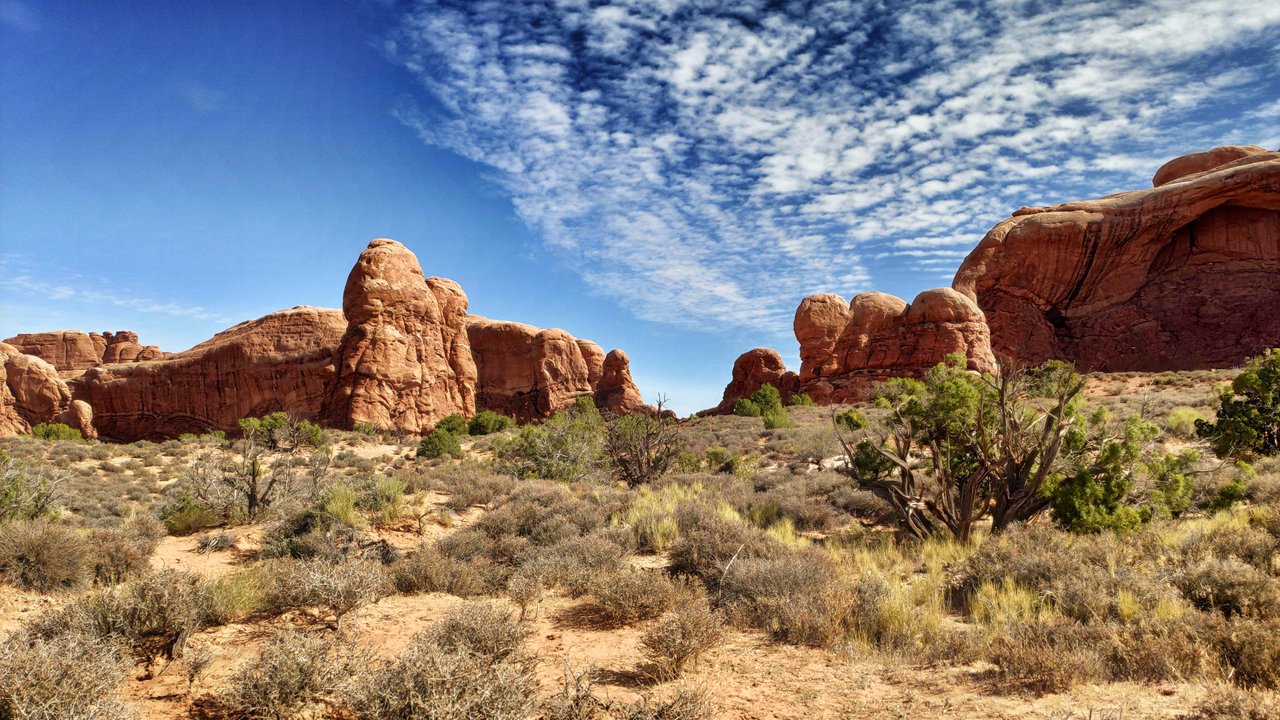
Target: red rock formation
<point>32,392</point>
<point>531,373</point>
<point>72,351</point>
<point>751,371</point>
<point>845,349</point>
<point>399,355</point>
<point>615,391</point>
<point>1195,163</point>
<point>402,361</point>
<point>1182,276</point>
<point>883,337</point>
<point>283,361</point>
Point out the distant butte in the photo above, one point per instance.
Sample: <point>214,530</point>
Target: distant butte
<point>399,356</point>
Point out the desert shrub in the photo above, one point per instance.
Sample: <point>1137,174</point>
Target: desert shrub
<point>1049,656</point>
<point>1228,703</point>
<point>746,407</point>
<point>56,432</point>
<point>801,400</point>
<point>577,565</point>
<point>454,424</point>
<point>185,516</point>
<point>119,554</point>
<point>1248,650</point>
<point>1095,497</point>
<point>681,637</point>
<point>651,515</point>
<point>776,418</point>
<point>708,543</point>
<point>439,443</point>
<point>154,614</point>
<point>339,505</point>
<point>1230,586</point>
<point>525,591</point>
<point>280,432</point>
<point>429,570</point>
<point>237,595</point>
<point>487,422</point>
<point>367,429</point>
<point>41,556</point>
<point>767,398</point>
<point>568,446</point>
<point>1181,421</point>
<point>640,447</point>
<point>341,586</point>
<point>577,700</point>
<point>475,486</point>
<point>294,670</point>
<point>469,665</point>
<point>65,677</point>
<point>851,420</point>
<point>1248,418</point>
<point>630,595</point>
<point>799,598</point>
<point>28,491</point>
<point>1083,576</point>
<point>788,503</point>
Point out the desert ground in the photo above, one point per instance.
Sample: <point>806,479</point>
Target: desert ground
<point>751,580</point>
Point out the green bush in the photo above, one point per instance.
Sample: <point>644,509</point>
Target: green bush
<point>568,446</point>
<point>455,424</point>
<point>767,398</point>
<point>56,431</point>
<point>801,400</point>
<point>487,422</point>
<point>1248,411</point>
<point>776,418</point>
<point>851,419</point>
<point>279,431</point>
<point>28,491</point>
<point>439,443</point>
<point>1181,421</point>
<point>365,428</point>
<point>745,407</point>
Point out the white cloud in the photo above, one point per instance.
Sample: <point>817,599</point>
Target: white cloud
<point>710,163</point>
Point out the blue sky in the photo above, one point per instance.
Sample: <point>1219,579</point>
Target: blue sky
<point>664,176</point>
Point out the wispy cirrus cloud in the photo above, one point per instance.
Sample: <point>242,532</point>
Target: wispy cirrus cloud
<point>710,163</point>
<point>44,290</point>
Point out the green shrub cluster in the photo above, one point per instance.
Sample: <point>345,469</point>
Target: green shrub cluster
<point>56,431</point>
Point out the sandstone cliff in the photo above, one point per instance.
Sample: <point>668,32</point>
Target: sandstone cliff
<point>1182,276</point>
<point>32,392</point>
<point>283,361</point>
<point>846,348</point>
<point>72,352</point>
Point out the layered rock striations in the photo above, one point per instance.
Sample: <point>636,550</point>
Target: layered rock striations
<point>878,336</point>
<point>531,373</point>
<point>846,348</point>
<point>401,362</point>
<point>281,362</point>
<point>751,371</point>
<point>32,392</point>
<point>1185,275</point>
<point>72,352</point>
<point>401,354</point>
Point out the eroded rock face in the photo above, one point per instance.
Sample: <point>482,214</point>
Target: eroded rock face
<point>283,361</point>
<point>884,337</point>
<point>1182,276</point>
<point>32,392</point>
<point>399,355</point>
<point>751,371</point>
<point>532,373</point>
<point>72,351</point>
<point>402,362</point>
